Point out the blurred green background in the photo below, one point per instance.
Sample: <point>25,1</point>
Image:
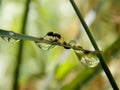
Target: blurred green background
<point>58,68</point>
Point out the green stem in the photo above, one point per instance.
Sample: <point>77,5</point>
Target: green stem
<point>20,50</point>
<point>4,33</point>
<point>16,36</point>
<point>103,64</point>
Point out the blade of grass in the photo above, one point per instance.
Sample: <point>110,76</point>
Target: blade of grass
<point>103,64</point>
<point>79,82</point>
<point>115,47</point>
<point>19,57</point>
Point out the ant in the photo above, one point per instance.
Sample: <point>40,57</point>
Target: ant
<point>55,36</point>
<point>65,45</point>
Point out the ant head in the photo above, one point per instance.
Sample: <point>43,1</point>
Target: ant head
<point>57,35</point>
<point>50,34</point>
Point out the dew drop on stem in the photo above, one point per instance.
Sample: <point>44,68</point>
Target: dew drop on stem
<point>87,59</point>
<point>44,46</point>
<point>10,40</point>
<point>72,43</point>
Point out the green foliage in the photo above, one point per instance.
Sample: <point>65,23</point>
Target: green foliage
<point>57,68</point>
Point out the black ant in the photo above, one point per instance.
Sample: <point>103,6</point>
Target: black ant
<point>65,45</point>
<point>55,36</point>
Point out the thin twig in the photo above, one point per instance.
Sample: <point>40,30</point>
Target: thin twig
<point>17,36</point>
<point>103,64</point>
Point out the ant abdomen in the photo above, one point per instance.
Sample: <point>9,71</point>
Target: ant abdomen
<point>50,34</point>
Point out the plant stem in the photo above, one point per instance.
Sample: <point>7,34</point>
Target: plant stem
<point>16,36</point>
<point>103,64</point>
<point>20,50</point>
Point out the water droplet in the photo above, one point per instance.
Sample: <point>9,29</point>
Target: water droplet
<point>72,43</point>
<point>10,40</point>
<point>88,60</point>
<point>11,33</point>
<point>44,46</point>
<point>48,38</point>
